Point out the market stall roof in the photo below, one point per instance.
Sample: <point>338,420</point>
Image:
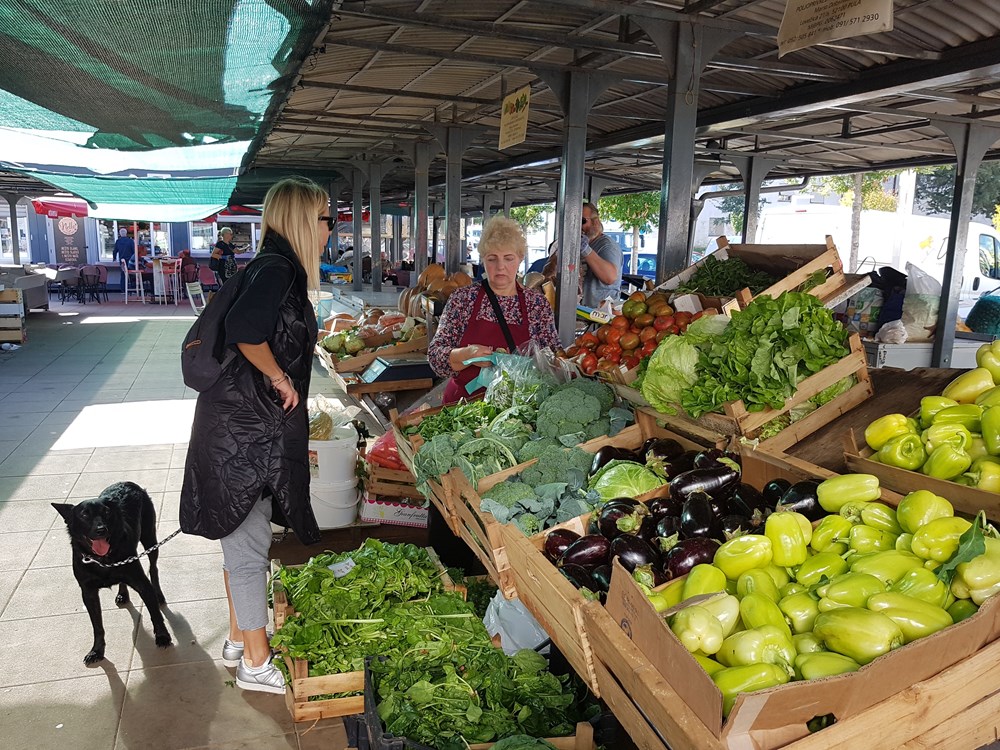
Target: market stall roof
<point>388,69</point>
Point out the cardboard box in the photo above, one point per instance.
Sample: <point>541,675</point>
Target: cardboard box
<point>393,512</point>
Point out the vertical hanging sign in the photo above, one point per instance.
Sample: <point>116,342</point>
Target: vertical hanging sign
<point>70,249</point>
<point>514,118</point>
<point>809,22</point>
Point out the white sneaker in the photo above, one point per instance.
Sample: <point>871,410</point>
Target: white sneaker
<point>232,653</point>
<point>266,678</point>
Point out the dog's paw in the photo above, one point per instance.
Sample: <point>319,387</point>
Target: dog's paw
<point>121,599</point>
<point>163,640</point>
<point>94,656</point>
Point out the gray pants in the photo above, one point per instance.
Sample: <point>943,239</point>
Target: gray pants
<point>245,557</point>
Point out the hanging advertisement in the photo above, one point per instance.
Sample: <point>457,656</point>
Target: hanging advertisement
<point>71,248</point>
<point>514,118</point>
<point>809,22</point>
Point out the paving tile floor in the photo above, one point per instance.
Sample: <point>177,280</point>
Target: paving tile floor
<point>95,397</point>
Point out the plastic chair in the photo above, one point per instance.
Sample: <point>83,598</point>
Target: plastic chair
<point>196,296</point>
<point>133,282</point>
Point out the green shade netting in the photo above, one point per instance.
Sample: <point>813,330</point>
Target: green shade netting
<point>100,87</point>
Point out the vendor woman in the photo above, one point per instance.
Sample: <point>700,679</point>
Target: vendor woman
<point>469,326</point>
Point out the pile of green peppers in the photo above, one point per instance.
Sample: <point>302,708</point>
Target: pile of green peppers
<point>957,435</point>
<point>802,601</point>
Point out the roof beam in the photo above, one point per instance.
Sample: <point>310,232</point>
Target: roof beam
<point>375,90</point>
<point>859,142</point>
<point>663,14</point>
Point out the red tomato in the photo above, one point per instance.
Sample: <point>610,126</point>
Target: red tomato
<point>620,322</point>
<point>588,364</point>
<point>630,361</point>
<point>629,341</point>
<point>614,336</point>
<point>602,333</point>
<point>663,322</point>
<point>573,350</point>
<point>647,334</point>
<point>647,348</point>
<point>588,340</point>
<point>660,335</point>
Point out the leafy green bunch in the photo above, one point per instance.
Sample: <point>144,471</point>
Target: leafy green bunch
<point>461,416</point>
<point>723,278</point>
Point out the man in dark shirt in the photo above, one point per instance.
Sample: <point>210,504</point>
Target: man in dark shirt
<point>124,250</point>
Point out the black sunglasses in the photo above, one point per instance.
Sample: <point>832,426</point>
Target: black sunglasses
<point>330,221</point>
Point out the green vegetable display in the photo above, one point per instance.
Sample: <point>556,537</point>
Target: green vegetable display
<point>723,278</point>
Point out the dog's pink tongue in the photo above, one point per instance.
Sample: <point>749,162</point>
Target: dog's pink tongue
<point>100,546</point>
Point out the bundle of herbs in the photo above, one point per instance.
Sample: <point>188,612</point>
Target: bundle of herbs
<point>723,278</point>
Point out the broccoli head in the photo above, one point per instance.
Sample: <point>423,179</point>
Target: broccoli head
<point>567,412</point>
<point>597,429</point>
<point>555,464</point>
<point>533,448</point>
<point>528,523</point>
<point>509,493</point>
<point>594,388</point>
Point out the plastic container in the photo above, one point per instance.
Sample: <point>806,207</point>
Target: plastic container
<point>322,304</point>
<point>335,504</point>
<point>335,460</point>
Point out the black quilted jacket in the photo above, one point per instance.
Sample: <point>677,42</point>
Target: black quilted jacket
<point>242,442</point>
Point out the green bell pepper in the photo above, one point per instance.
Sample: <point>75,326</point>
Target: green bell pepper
<point>988,357</point>
<point>792,587</point>
<point>904,452</point>
<point>835,492</point>
<point>757,610</point>
<point>726,609</point>
<point>915,618</point>
<point>946,462</point>
<point>968,386</point>
<point>667,597</point>
<point>967,415</point>
<point>831,529</point>
<point>732,681</point>
<point>698,630</point>
<point>819,566</point>
<point>757,582</point>
<point>875,515</point>
<point>884,429</point>
<point>778,575</point>
<point>703,579</point>
<point>980,576</point>
<point>888,567</point>
<point>985,475</point>
<point>989,398</point>
<point>788,543</point>
<point>903,542</point>
<point>743,553</point>
<point>931,405</point>
<point>848,590</point>
<point>922,584</point>
<point>763,645</point>
<point>866,539</point>
<point>990,426</point>
<point>962,609</point>
<point>921,507</point>
<point>937,540</point>
<point>858,633</point>
<point>709,665</point>
<point>953,434</point>
<point>977,449</point>
<point>808,643</point>
<point>800,610</point>
<point>823,664</point>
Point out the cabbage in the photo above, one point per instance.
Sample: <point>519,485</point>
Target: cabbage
<point>672,369</point>
<point>623,479</point>
<point>706,328</point>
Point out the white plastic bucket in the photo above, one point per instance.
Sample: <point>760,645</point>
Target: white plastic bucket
<point>335,504</point>
<point>336,459</point>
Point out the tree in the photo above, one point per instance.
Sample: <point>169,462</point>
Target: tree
<point>638,212</point>
<point>935,187</point>
<point>732,206</point>
<point>863,190</point>
<point>531,218</point>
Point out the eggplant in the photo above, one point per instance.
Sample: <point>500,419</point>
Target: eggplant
<point>609,453</point>
<point>699,518</point>
<point>613,520</point>
<point>647,530</point>
<point>668,526</point>
<point>802,498</point>
<point>601,578</point>
<point>663,449</point>
<point>650,576</point>
<point>587,551</point>
<point>578,575</point>
<point>734,523</point>
<point>665,506</point>
<point>746,499</point>
<point>680,464</point>
<point>719,482</point>
<point>686,554</point>
<point>707,459</point>
<point>556,543</point>
<point>773,490</point>
<point>632,552</point>
<point>629,502</point>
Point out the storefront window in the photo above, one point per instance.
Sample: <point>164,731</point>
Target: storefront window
<point>107,233</point>
<point>6,237</point>
<point>202,237</point>
<point>161,238</point>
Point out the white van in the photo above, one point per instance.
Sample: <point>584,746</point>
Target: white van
<point>889,239</point>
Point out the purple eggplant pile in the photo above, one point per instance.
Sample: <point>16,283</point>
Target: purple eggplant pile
<point>704,504</point>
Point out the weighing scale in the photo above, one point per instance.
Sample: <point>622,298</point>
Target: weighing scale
<point>391,370</point>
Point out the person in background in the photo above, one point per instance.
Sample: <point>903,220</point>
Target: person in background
<point>248,457</point>
<point>124,250</point>
<point>469,325</point>
<point>223,260</point>
<point>600,260</point>
<point>186,259</point>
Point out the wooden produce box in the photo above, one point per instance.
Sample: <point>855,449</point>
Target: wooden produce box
<point>390,482</point>
<point>766,719</point>
<point>12,328</point>
<point>709,429</point>
<point>360,362</point>
<point>791,264</point>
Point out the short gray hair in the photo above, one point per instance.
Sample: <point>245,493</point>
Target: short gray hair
<point>501,233</point>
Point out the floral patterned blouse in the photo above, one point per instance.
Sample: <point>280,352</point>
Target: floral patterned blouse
<point>458,310</point>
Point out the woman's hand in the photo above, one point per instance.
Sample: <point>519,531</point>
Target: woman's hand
<point>289,396</point>
<point>459,356</point>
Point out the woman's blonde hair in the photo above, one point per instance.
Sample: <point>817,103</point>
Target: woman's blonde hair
<point>502,234</point>
<point>292,208</point>
<point>225,230</point>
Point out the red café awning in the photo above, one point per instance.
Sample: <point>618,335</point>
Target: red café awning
<point>56,207</point>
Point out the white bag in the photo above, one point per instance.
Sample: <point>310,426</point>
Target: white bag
<point>517,627</point>
<point>920,305</point>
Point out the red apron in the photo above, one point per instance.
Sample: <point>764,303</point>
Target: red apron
<point>484,333</point>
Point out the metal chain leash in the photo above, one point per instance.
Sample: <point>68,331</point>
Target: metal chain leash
<point>132,559</point>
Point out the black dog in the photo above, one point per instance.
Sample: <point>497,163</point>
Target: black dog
<point>107,530</point>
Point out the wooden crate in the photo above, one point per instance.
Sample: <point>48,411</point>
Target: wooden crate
<point>12,328</point>
<point>385,482</point>
<point>360,362</point>
<point>710,428</point>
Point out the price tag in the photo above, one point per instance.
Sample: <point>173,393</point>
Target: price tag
<point>341,569</point>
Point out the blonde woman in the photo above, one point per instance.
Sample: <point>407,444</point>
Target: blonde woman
<point>248,454</point>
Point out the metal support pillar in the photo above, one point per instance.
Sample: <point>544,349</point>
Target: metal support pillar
<point>357,208</point>
<point>418,232</point>
<point>455,139</point>
<point>397,239</point>
<point>508,202</point>
<point>336,188</point>
<point>577,93</point>
<point>754,171</point>
<point>375,172</point>
<point>595,188</point>
<point>971,143</point>
<point>435,235</point>
<point>15,232</point>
